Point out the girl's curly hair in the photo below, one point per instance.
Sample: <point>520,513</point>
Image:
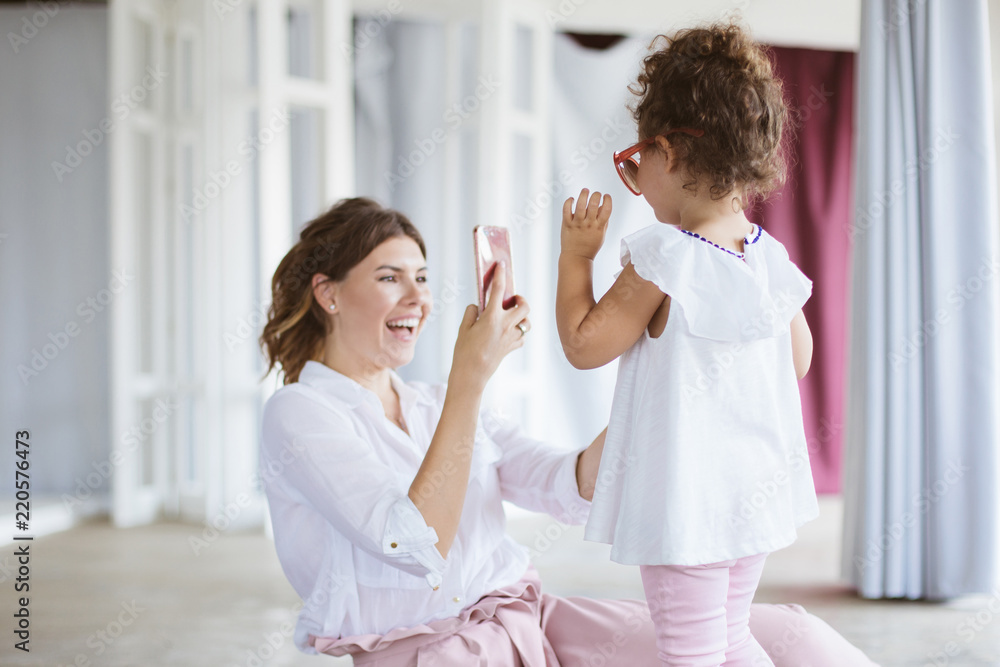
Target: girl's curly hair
<point>716,79</point>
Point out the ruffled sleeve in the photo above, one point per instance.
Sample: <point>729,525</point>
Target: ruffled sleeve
<point>721,296</point>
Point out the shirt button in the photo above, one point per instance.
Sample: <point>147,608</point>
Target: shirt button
<point>456,599</point>
<point>393,545</point>
<point>436,587</point>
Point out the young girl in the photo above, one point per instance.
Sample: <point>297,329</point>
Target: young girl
<point>705,468</point>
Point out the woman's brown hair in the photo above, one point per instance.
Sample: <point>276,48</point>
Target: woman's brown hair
<point>331,244</point>
<point>716,79</point>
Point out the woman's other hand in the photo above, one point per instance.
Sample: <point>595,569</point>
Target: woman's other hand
<point>588,465</point>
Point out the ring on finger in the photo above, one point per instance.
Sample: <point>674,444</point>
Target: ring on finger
<point>522,328</point>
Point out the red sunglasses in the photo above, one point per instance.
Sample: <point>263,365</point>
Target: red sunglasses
<point>627,161</point>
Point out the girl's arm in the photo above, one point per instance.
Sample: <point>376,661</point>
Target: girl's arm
<point>595,333</point>
<point>802,345</point>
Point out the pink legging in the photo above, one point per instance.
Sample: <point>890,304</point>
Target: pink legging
<point>702,612</point>
<point>520,625</point>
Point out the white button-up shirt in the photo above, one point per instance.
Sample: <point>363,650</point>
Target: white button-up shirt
<point>337,472</point>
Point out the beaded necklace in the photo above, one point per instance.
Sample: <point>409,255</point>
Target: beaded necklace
<point>735,254</point>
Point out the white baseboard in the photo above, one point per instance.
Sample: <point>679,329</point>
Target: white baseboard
<point>50,515</point>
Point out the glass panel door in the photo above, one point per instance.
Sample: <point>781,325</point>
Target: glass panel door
<point>141,403</point>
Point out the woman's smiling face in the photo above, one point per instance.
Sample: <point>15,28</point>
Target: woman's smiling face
<point>382,305</point>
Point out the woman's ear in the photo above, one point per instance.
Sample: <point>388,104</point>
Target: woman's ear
<point>324,291</point>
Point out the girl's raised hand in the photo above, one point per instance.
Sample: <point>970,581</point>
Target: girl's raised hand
<point>583,230</point>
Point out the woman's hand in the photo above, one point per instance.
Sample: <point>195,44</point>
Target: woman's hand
<point>484,339</point>
<point>438,490</point>
<point>588,464</point>
<point>583,230</point>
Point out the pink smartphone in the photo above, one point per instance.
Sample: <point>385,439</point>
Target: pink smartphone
<point>492,244</point>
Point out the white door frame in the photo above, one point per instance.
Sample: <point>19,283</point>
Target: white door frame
<point>137,192</point>
<point>191,204</point>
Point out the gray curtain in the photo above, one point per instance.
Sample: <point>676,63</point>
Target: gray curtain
<point>587,130</point>
<point>399,84</point>
<point>54,252</point>
<point>399,87</point>
<point>921,422</point>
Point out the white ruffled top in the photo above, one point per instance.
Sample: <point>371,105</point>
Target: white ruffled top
<point>705,458</point>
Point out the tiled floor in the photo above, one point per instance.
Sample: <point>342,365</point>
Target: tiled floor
<point>101,596</point>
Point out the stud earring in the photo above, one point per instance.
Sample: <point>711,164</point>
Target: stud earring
<point>333,306</point>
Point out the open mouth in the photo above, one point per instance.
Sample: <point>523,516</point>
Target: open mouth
<point>403,327</point>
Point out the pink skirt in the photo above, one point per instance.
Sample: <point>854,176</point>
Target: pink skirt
<point>502,626</point>
<point>519,626</point>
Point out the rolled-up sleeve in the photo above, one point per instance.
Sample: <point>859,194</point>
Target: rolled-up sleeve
<point>406,533</point>
<point>317,459</point>
<point>536,475</point>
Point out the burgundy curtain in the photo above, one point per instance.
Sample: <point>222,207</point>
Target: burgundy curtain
<point>811,216</point>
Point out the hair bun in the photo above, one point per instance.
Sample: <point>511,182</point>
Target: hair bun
<point>729,42</point>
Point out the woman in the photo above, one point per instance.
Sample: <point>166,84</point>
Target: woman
<point>386,495</point>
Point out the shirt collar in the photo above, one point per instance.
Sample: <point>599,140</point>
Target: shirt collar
<point>325,379</point>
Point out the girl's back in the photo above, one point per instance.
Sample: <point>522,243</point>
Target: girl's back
<point>706,428</point>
